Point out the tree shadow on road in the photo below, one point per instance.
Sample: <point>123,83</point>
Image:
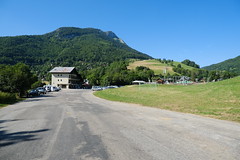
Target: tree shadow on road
<point>37,98</point>
<point>7,138</point>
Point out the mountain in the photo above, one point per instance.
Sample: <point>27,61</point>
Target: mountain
<point>67,46</point>
<point>231,65</point>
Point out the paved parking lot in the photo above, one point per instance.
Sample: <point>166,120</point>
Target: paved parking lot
<point>74,124</point>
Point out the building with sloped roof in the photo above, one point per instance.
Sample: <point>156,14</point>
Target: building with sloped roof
<point>65,77</point>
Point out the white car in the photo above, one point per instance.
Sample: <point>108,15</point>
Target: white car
<point>47,88</point>
<point>96,88</point>
<point>54,89</point>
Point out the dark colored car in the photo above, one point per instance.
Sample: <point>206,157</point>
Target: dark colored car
<point>33,92</point>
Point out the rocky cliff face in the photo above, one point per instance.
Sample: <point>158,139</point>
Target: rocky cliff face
<point>114,36</point>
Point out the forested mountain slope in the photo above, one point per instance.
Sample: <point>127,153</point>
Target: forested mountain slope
<point>66,46</point>
<point>231,65</point>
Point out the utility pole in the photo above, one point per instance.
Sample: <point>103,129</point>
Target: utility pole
<point>164,73</point>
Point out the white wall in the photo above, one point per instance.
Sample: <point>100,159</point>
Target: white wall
<point>60,79</point>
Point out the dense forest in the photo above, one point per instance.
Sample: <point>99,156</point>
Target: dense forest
<point>118,74</point>
<point>231,65</point>
<point>68,46</point>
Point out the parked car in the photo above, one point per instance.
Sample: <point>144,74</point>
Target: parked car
<point>112,87</point>
<point>54,89</point>
<point>96,88</point>
<point>104,88</point>
<point>47,88</point>
<point>33,92</point>
<point>41,90</point>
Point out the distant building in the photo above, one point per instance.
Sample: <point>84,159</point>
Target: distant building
<point>65,77</point>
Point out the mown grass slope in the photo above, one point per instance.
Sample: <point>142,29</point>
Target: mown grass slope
<point>157,66</point>
<point>217,100</point>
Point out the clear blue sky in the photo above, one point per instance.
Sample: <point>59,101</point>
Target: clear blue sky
<point>205,31</point>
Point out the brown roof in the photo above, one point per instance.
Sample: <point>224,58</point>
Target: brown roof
<point>62,70</point>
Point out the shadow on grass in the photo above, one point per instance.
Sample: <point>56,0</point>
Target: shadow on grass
<point>7,138</point>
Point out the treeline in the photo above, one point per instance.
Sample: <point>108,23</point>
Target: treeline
<point>118,74</point>
<point>196,74</point>
<point>166,61</point>
<point>190,63</point>
<point>203,75</point>
<point>186,62</point>
<point>15,79</point>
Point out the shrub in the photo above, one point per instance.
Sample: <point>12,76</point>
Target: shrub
<point>7,98</point>
<point>37,84</point>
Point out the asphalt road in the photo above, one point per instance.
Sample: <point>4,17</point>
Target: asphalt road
<point>74,125</point>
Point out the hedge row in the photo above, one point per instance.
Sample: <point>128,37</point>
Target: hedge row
<point>7,98</point>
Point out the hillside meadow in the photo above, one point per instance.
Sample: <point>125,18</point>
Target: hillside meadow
<point>219,100</point>
<point>156,66</point>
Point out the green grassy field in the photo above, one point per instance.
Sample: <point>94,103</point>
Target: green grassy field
<point>217,100</point>
<point>2,105</point>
